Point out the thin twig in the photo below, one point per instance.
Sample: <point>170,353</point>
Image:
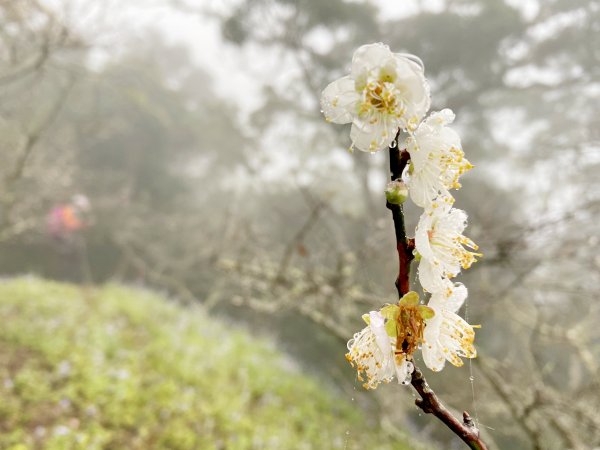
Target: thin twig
<point>498,385</point>
<point>293,244</point>
<point>8,198</point>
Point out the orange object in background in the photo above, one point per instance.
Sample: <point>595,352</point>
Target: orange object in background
<point>69,219</point>
<point>65,219</point>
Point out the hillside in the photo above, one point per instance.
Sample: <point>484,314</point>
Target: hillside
<point>120,368</point>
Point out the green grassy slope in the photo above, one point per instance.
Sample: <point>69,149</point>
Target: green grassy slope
<point>116,368</point>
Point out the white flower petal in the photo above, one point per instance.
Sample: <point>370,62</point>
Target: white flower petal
<point>372,137</point>
<point>447,336</point>
<point>412,82</point>
<point>437,158</point>
<point>431,276</point>
<point>458,297</point>
<point>369,57</point>
<point>338,100</point>
<point>413,58</point>
<point>418,157</point>
<point>441,118</point>
<point>433,357</point>
<point>376,320</point>
<point>451,298</point>
<point>443,248</point>
<point>424,187</point>
<point>455,221</point>
<point>456,339</point>
<point>376,323</point>
<point>365,353</point>
<point>422,243</point>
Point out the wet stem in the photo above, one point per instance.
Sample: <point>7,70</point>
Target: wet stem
<point>428,401</point>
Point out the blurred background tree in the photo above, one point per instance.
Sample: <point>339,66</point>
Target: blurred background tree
<point>255,208</point>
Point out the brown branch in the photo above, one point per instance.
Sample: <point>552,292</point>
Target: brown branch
<point>405,246</point>
<point>429,402</point>
<point>292,245</point>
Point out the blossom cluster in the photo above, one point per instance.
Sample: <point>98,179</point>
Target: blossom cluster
<point>386,93</point>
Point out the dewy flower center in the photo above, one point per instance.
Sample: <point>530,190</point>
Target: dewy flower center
<point>381,96</point>
<point>410,327</point>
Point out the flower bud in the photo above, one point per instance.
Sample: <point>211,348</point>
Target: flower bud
<point>396,192</point>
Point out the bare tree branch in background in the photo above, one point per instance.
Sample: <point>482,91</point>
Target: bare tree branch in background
<point>32,41</point>
<point>8,198</point>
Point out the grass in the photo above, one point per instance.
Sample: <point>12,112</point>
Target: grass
<point>118,368</point>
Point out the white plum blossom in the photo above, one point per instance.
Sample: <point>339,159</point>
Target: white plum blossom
<point>385,347</point>
<point>447,336</point>
<point>437,159</point>
<point>371,351</point>
<point>385,91</point>
<point>442,247</point>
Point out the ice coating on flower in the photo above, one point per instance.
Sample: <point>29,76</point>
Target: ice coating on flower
<point>441,244</point>
<point>437,159</point>
<point>385,91</point>
<point>372,354</point>
<point>447,336</point>
<point>377,325</point>
<point>404,369</point>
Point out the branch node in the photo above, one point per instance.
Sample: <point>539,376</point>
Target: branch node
<point>468,421</point>
<point>424,405</point>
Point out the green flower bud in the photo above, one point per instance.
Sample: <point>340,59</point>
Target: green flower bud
<point>396,192</point>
